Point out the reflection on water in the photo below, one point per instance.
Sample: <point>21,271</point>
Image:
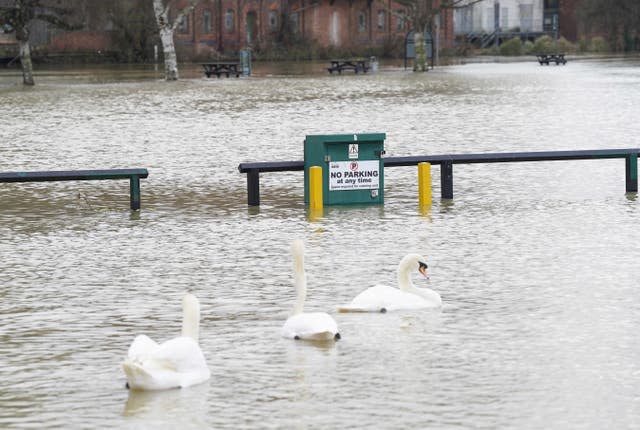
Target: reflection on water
<point>536,262</point>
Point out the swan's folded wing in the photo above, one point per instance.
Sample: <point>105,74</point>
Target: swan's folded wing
<point>141,347</point>
<point>181,354</point>
<point>372,299</point>
<point>312,325</point>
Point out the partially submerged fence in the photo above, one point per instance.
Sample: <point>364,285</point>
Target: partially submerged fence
<point>133,175</point>
<point>446,162</point>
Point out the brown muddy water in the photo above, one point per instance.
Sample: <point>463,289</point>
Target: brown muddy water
<point>537,263</point>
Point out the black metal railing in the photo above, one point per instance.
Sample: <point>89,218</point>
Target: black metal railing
<point>447,161</point>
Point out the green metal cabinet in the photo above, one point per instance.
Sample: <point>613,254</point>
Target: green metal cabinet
<point>352,167</point>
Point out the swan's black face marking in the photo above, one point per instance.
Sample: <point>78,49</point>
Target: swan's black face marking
<point>422,268</point>
<point>296,337</point>
<point>126,385</point>
<point>337,336</point>
<point>383,310</point>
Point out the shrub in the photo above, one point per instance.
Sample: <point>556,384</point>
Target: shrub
<point>564,45</point>
<point>511,47</point>
<point>583,45</point>
<point>599,44</point>
<point>528,47</point>
<point>544,45</point>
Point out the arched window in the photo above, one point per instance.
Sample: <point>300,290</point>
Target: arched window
<point>400,21</point>
<point>229,19</point>
<point>381,20</point>
<point>273,20</point>
<point>293,20</point>
<point>183,24</point>
<point>206,21</point>
<point>362,21</point>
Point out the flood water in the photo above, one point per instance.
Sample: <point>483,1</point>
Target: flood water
<point>537,263</point>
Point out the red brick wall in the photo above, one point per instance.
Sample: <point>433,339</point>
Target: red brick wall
<point>81,41</point>
<point>568,21</point>
<point>324,22</point>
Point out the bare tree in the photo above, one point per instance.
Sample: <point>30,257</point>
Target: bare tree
<point>166,28</point>
<point>422,15</point>
<point>19,14</point>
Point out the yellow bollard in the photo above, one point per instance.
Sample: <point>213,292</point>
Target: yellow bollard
<point>315,187</point>
<point>424,184</point>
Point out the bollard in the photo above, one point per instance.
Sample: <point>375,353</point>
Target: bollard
<point>315,187</point>
<point>424,184</point>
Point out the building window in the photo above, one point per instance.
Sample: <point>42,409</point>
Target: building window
<point>362,21</point>
<point>206,21</point>
<point>293,20</point>
<point>228,20</point>
<point>400,20</point>
<point>551,4</point>
<point>504,18</point>
<point>183,24</point>
<point>381,20</point>
<point>526,17</point>
<point>273,20</point>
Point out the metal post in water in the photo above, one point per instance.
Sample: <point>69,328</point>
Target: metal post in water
<point>134,191</point>
<point>253,187</point>
<point>631,173</point>
<point>315,187</point>
<point>446,179</point>
<point>424,184</point>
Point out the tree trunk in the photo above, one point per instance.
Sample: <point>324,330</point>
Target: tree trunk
<point>165,30</point>
<point>170,59</point>
<point>25,61</point>
<point>421,54</point>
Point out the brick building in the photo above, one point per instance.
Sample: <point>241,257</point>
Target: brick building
<point>230,25</point>
<point>226,26</point>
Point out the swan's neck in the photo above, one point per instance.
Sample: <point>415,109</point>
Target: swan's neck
<point>404,279</point>
<point>300,282</point>
<point>190,317</point>
<point>299,276</point>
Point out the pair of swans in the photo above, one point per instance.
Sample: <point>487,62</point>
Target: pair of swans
<point>380,298</point>
<point>180,363</point>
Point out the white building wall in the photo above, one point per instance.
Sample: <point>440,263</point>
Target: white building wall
<point>525,15</point>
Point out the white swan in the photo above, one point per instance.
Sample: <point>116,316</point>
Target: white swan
<point>382,298</point>
<point>177,363</point>
<point>311,325</point>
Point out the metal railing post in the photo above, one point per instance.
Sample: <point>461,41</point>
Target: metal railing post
<point>631,173</point>
<point>253,187</point>
<point>446,179</point>
<point>134,191</point>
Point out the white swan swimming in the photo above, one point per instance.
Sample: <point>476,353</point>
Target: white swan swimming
<point>177,363</point>
<point>306,325</point>
<point>382,298</point>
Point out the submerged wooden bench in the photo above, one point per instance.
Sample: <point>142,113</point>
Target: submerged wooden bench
<point>133,175</point>
<point>550,58</point>
<point>355,64</point>
<point>221,68</point>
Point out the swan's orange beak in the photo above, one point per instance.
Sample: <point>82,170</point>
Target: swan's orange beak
<point>422,268</point>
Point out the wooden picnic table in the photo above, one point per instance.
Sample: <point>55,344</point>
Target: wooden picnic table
<point>550,58</point>
<point>355,64</point>
<point>221,68</point>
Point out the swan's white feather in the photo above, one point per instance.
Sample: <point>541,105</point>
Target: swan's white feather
<point>176,363</point>
<point>405,297</point>
<point>380,297</point>
<point>310,326</point>
<point>306,325</point>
